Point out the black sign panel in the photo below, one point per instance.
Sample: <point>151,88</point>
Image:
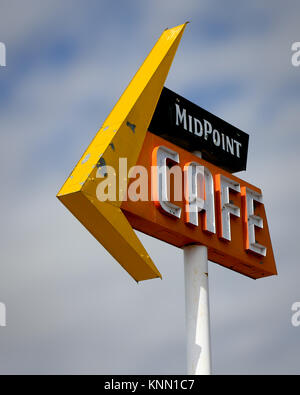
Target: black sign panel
<point>189,126</point>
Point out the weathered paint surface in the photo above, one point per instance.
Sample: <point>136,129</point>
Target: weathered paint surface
<point>121,136</point>
<point>235,255</point>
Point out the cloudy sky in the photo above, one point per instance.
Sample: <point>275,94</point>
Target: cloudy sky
<point>70,307</point>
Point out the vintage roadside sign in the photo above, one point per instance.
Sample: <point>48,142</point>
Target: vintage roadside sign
<point>121,136</point>
<point>136,176</point>
<point>189,126</point>
<point>230,220</point>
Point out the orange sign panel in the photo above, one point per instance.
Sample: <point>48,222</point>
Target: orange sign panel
<point>229,217</point>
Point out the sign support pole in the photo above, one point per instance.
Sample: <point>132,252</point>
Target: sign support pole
<point>197,310</point>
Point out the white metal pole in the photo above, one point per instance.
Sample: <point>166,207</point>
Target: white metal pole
<point>197,310</point>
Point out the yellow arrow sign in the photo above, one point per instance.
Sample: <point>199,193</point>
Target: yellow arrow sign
<point>121,136</point>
